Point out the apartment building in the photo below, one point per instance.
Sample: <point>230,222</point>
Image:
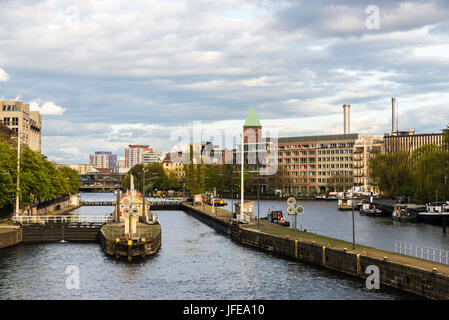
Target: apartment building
<point>133,154</point>
<point>18,117</point>
<point>79,168</point>
<point>173,161</point>
<point>103,159</point>
<point>365,148</point>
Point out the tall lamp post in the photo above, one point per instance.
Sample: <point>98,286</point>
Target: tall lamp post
<point>17,210</point>
<point>118,194</point>
<point>143,195</point>
<point>242,187</point>
<point>353,225</point>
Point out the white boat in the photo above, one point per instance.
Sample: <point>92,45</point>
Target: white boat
<point>435,212</point>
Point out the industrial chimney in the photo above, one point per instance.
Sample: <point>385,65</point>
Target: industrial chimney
<point>393,118</point>
<point>346,117</point>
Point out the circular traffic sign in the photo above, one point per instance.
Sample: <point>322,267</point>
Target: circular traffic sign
<point>291,201</point>
<point>291,210</point>
<point>299,210</point>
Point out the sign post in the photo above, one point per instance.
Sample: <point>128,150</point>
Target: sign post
<point>293,209</point>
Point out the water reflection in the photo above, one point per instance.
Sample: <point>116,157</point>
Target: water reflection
<point>322,217</point>
<point>194,262</point>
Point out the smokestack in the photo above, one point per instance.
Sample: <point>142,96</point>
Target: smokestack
<point>393,118</point>
<point>346,117</point>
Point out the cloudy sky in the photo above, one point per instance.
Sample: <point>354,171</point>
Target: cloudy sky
<point>106,74</point>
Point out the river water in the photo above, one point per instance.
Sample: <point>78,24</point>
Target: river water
<point>195,262</point>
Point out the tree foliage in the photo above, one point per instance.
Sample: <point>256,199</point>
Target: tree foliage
<point>195,174</point>
<point>423,175</point>
<point>40,180</point>
<point>156,178</point>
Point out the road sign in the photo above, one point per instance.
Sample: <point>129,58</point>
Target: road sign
<point>291,201</point>
<point>299,210</point>
<point>291,210</point>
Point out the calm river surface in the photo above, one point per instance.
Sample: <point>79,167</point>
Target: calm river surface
<point>195,262</point>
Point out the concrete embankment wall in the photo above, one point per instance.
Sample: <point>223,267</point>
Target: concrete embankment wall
<point>425,283</point>
<point>10,236</point>
<point>218,224</point>
<point>407,278</point>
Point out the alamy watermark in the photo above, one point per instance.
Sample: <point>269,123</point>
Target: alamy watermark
<point>258,151</point>
<point>373,280</point>
<point>72,18</point>
<point>72,282</point>
<point>372,22</point>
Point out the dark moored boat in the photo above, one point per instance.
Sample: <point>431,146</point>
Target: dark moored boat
<point>278,218</point>
<point>369,209</point>
<point>401,213</point>
<point>435,213</point>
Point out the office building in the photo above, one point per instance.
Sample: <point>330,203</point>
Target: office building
<point>18,117</point>
<point>408,141</point>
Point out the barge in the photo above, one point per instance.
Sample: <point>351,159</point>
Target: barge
<point>135,232</point>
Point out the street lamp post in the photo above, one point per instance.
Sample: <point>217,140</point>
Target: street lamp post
<point>143,195</point>
<point>258,205</point>
<point>242,188</point>
<point>118,194</point>
<point>232,195</point>
<point>18,175</point>
<point>353,225</point>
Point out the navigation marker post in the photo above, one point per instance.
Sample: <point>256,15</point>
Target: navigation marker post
<point>293,209</point>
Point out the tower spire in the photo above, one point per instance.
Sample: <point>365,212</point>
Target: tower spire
<point>252,120</point>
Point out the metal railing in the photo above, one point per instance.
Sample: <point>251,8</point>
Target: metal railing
<point>413,250</point>
<point>62,219</point>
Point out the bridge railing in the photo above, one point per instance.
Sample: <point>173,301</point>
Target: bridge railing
<point>413,250</point>
<point>63,219</point>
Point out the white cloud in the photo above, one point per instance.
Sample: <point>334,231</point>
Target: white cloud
<point>47,108</point>
<point>169,62</point>
<point>70,150</point>
<point>3,75</point>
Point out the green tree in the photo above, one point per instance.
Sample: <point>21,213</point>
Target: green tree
<point>423,175</point>
<point>8,170</point>
<point>195,174</point>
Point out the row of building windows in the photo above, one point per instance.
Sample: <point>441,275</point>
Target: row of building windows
<point>298,146</point>
<point>336,145</point>
<point>10,108</point>
<point>11,121</point>
<point>327,180</point>
<point>340,151</point>
<point>329,173</point>
<point>327,159</point>
<point>305,181</point>
<point>297,160</point>
<point>302,167</point>
<point>335,166</point>
<point>300,173</point>
<point>296,153</point>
